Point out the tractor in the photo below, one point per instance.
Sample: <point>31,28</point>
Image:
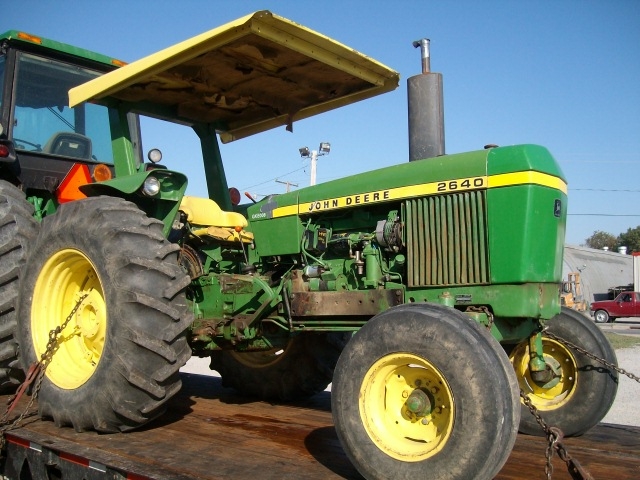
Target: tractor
<point>426,292</point>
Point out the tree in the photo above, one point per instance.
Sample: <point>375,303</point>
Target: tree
<point>601,239</point>
<point>630,239</point>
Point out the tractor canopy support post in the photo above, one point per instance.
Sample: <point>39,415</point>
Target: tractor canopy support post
<point>213,167</point>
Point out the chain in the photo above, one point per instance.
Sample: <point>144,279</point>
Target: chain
<point>554,444</point>
<point>486,311</point>
<point>554,434</point>
<point>36,372</point>
<point>548,468</point>
<point>590,355</point>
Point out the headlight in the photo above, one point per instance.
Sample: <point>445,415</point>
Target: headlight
<point>151,187</point>
<point>154,155</point>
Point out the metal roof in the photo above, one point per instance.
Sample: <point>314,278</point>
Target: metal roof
<point>599,270</point>
<point>250,75</point>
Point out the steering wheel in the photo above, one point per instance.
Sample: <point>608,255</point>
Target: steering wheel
<point>36,146</point>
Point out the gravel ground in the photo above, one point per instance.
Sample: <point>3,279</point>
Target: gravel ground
<point>625,409</point>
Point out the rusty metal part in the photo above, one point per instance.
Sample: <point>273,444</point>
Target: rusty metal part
<point>331,304</point>
<point>542,377</point>
<point>425,54</point>
<point>486,311</point>
<point>189,260</point>
<point>32,374</point>
<point>419,403</point>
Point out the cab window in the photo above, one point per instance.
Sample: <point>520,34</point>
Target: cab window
<point>42,120</point>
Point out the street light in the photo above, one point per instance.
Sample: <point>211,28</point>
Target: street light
<point>323,149</point>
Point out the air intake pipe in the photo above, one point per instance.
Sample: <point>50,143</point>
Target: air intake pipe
<point>426,110</point>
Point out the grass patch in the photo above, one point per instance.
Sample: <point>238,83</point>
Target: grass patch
<point>622,341</point>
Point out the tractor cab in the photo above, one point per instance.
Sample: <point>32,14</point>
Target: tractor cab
<point>41,137</point>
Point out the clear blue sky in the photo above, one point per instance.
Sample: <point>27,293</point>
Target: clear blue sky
<point>564,74</point>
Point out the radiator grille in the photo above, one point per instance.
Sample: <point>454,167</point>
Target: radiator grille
<point>446,237</point>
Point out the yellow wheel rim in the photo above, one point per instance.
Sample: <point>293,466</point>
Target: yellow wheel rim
<point>555,393</point>
<point>63,280</point>
<point>406,407</point>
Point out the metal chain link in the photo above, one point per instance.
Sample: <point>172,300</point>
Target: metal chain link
<point>548,468</point>
<point>584,352</point>
<point>486,311</point>
<point>554,444</point>
<point>36,371</point>
<point>554,434</point>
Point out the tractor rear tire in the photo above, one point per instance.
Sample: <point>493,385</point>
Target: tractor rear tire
<point>584,390</point>
<point>18,230</point>
<point>423,391</point>
<point>116,362</point>
<point>300,370</point>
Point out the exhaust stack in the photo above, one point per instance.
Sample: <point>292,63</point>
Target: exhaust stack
<point>426,109</point>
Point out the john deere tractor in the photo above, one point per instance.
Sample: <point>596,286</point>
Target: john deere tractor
<point>427,291</point>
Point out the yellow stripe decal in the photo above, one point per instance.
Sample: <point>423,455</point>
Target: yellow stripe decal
<point>433,188</point>
<point>523,178</point>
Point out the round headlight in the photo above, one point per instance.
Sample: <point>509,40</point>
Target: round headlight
<point>151,187</point>
<point>154,155</point>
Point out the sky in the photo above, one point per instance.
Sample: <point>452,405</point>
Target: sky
<point>564,74</point>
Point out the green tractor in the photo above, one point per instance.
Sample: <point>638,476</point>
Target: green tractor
<point>425,291</point>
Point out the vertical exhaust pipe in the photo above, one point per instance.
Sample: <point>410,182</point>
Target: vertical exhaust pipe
<point>426,109</point>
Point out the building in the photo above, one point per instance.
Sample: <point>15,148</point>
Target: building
<point>599,270</point>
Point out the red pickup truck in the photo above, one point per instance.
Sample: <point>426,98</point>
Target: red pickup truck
<point>626,304</point>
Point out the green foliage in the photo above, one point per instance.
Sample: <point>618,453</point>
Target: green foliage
<point>601,239</point>
<point>630,239</point>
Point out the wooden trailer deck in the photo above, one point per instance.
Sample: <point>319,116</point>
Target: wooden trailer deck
<point>212,433</point>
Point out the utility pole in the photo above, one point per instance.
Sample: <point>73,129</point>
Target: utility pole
<point>288,184</point>
<point>324,149</point>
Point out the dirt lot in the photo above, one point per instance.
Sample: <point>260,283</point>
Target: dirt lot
<point>626,408</point>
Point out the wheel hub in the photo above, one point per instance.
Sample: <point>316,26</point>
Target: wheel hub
<point>557,388</point>
<point>407,407</point>
<point>419,403</point>
<point>88,317</point>
<point>64,278</point>
<point>552,374</point>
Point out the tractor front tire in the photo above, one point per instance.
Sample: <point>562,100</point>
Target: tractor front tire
<point>116,362</point>
<point>300,370</point>
<point>18,230</point>
<point>582,391</point>
<point>423,391</point>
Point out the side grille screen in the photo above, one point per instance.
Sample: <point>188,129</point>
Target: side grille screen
<point>446,237</point>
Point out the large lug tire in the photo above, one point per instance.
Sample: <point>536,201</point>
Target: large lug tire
<point>422,391</point>
<point>300,370</point>
<point>18,230</point>
<point>582,391</point>
<point>116,363</point>
<point>601,316</point>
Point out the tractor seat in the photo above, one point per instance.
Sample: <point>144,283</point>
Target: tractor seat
<point>206,212</point>
<point>69,144</point>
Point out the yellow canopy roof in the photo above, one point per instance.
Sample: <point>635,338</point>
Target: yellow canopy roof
<point>256,73</point>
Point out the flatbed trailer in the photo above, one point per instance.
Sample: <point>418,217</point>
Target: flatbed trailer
<point>210,432</point>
